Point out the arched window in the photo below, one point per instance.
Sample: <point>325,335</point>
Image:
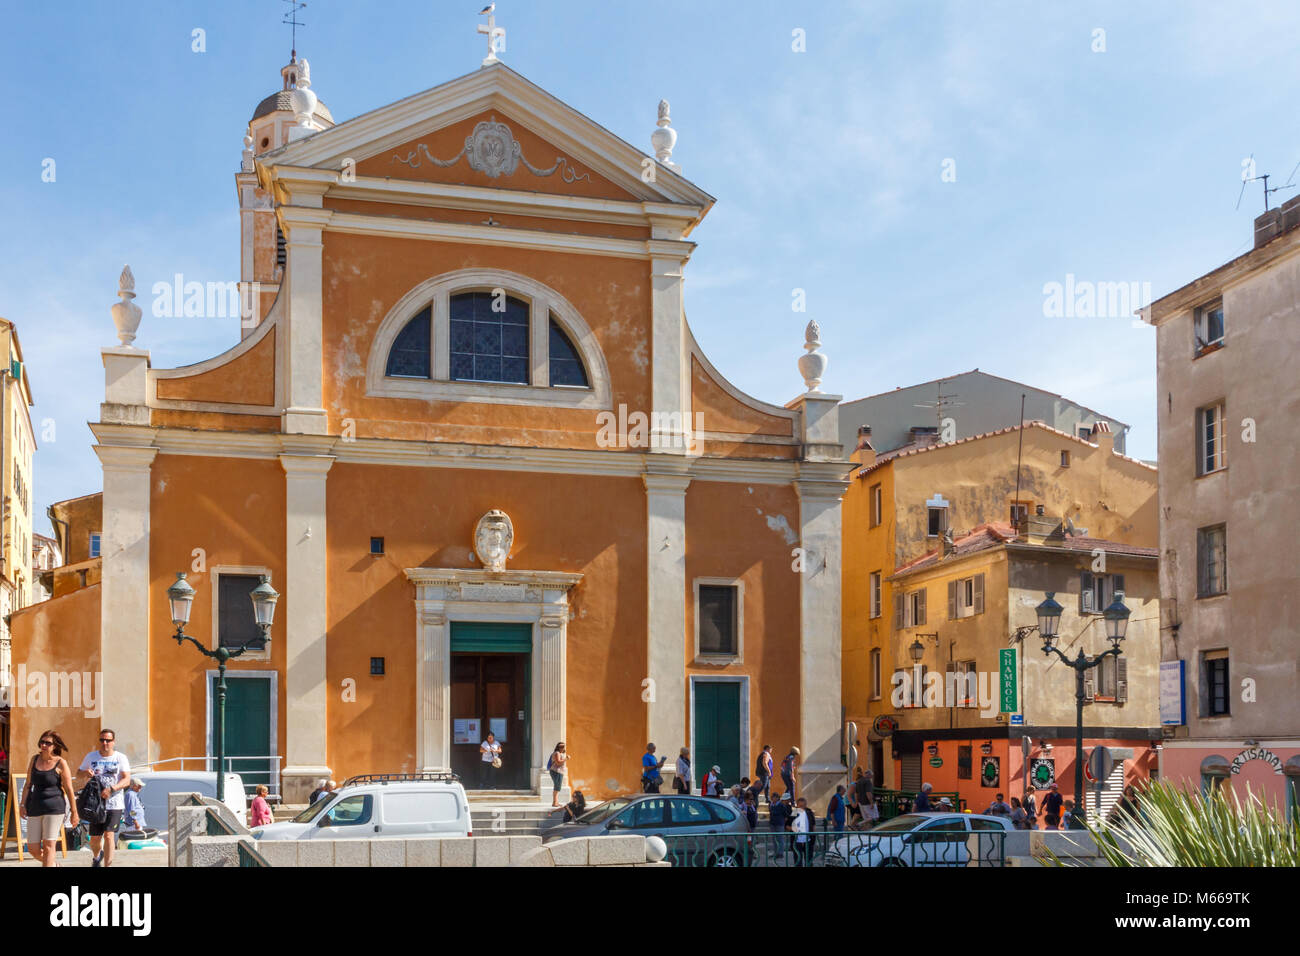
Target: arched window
<point>409,356</point>
<point>489,338</point>
<point>566,365</point>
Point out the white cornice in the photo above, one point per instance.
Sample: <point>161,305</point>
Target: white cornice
<point>547,580</point>
<point>420,454</point>
<point>500,88</point>
<point>393,227</point>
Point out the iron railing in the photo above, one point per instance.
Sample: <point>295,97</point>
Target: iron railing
<point>249,857</point>
<point>253,771</point>
<point>838,848</point>
<point>893,802</point>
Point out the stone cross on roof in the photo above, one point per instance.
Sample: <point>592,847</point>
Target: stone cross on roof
<point>492,31</point>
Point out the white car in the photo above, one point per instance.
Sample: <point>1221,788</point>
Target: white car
<point>381,805</point>
<point>159,784</point>
<point>922,839</point>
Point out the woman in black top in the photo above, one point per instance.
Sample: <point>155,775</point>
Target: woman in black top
<point>47,798</point>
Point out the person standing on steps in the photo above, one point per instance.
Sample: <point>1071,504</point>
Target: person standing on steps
<point>555,766</point>
<point>682,781</point>
<point>490,751</point>
<point>763,773</point>
<point>651,778</point>
<point>789,770</point>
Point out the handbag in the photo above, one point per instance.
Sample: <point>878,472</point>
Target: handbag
<point>496,763</point>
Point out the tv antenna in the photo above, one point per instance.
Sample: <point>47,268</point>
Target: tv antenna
<point>941,403</point>
<point>1290,184</point>
<point>291,18</point>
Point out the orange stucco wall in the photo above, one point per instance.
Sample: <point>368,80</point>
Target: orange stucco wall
<point>246,380</point>
<point>736,531</point>
<point>232,512</point>
<point>472,217</point>
<point>60,635</point>
<point>445,143</point>
<point>364,277</point>
<point>719,412</point>
<point>427,517</point>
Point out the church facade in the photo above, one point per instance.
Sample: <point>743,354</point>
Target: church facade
<point>469,438</point>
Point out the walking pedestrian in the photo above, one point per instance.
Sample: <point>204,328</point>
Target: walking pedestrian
<point>763,772</point>
<point>490,752</point>
<point>1031,810</point>
<point>870,811</point>
<point>47,798</point>
<point>998,808</point>
<point>712,782</point>
<point>922,803</point>
<point>751,810</point>
<point>802,826</point>
<point>555,767</point>
<point>835,809</point>
<point>110,771</point>
<point>261,810</point>
<point>1019,819</point>
<point>789,770</point>
<point>651,778</point>
<point>1053,803</point>
<point>322,790</point>
<point>682,780</point>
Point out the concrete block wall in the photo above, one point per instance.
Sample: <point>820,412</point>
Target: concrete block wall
<point>591,851</point>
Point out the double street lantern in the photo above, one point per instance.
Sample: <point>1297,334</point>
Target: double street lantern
<point>1049,621</point>
<point>181,598</point>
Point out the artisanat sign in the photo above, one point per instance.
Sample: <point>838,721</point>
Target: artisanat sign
<point>1257,753</point>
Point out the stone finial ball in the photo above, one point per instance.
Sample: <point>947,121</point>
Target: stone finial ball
<point>655,849</point>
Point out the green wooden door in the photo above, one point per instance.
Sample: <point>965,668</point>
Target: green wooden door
<point>248,729</point>
<point>717,730</point>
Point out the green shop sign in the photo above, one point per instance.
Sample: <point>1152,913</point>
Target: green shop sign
<point>1007,680</point>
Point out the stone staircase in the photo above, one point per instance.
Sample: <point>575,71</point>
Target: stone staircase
<point>510,813</point>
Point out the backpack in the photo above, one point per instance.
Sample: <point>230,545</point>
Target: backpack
<point>91,804</point>
<point>787,765</point>
<point>550,761</point>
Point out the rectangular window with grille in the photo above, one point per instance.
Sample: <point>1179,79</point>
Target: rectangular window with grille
<point>1214,690</point>
<point>1212,560</point>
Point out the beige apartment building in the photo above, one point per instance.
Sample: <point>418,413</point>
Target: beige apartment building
<point>1229,419</point>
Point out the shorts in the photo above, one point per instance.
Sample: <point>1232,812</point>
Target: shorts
<point>45,827</point>
<point>557,780</point>
<point>110,824</point>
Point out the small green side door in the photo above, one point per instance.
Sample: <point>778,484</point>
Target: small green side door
<point>248,729</point>
<point>717,731</point>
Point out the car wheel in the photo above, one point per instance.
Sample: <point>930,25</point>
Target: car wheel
<point>892,861</point>
<point>725,858</point>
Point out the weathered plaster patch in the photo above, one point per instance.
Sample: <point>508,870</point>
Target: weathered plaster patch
<point>780,525</point>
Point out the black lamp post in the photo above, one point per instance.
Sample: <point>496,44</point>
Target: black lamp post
<point>181,598</point>
<point>1049,621</point>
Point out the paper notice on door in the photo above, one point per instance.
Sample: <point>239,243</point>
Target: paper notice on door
<point>498,727</point>
<point>465,730</point>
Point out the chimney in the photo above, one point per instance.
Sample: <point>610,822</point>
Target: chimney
<point>864,453</point>
<point>1277,221</point>
<point>1103,437</point>
<point>924,435</point>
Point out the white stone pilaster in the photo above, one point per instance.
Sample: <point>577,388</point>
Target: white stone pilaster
<point>306,622</point>
<point>124,591</point>
<point>304,412</point>
<point>433,675</point>
<point>665,698</point>
<point>670,358</point>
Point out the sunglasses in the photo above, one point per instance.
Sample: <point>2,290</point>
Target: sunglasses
<point>47,743</point>
<point>106,740</point>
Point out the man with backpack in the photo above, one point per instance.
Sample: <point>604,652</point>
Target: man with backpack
<point>108,774</point>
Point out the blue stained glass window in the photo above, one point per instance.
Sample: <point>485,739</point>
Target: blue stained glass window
<point>409,356</point>
<point>489,345</point>
<point>566,366</point>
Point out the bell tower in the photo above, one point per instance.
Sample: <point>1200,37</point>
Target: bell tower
<point>291,112</point>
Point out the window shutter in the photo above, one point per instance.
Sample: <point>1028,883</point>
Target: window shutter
<point>898,610</point>
<point>1085,592</point>
<point>1121,678</point>
<point>1117,584</point>
<point>920,607</point>
<point>952,600</point>
<point>1090,685</point>
<point>979,593</point>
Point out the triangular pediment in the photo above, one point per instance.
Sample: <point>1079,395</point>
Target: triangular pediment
<point>424,138</point>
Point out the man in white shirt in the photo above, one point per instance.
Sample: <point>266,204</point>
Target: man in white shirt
<point>799,824</point>
<point>111,772</point>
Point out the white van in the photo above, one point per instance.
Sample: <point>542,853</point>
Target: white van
<point>381,805</point>
<point>158,784</point>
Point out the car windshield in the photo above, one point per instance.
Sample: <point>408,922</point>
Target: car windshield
<point>901,824</point>
<point>312,812</point>
<point>604,811</point>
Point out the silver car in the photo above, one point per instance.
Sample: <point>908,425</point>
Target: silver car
<point>699,831</point>
<point>923,839</point>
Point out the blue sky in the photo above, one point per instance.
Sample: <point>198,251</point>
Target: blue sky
<point>1114,166</point>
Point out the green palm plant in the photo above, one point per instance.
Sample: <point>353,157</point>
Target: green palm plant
<point>1173,827</point>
